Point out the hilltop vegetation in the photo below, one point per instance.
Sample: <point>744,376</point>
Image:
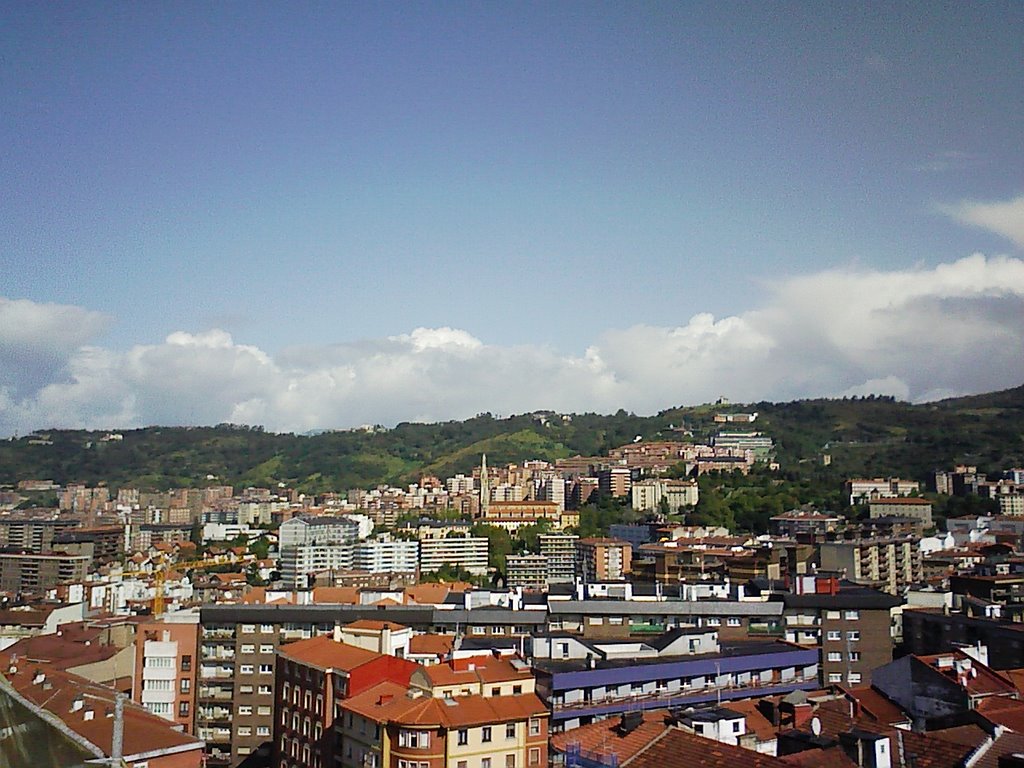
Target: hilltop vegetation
<point>871,436</point>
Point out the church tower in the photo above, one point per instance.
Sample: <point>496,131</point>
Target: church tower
<point>485,487</point>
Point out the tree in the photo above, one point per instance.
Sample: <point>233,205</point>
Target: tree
<point>499,544</point>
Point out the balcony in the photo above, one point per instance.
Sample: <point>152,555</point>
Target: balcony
<point>215,693</point>
<point>216,673</point>
<point>216,633</point>
<point>213,715</point>
<point>214,735</point>
<point>683,696</point>
<point>226,654</point>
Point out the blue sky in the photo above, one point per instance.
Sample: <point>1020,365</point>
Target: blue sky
<point>524,183</point>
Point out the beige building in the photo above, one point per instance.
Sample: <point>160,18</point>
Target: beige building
<point>600,559</point>
<point>890,564</point>
<point>913,507</point>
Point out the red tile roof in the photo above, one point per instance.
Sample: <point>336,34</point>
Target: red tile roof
<point>676,748</point>
<point>58,692</point>
<point>605,739</point>
<point>325,652</point>
<point>389,702</point>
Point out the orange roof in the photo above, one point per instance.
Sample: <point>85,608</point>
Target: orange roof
<point>325,652</point>
<point>143,731</point>
<point>877,706</point>
<point>374,625</point>
<point>485,669</point>
<point>604,738</point>
<point>436,645</point>
<point>389,702</point>
<point>341,595</point>
<point>676,748</point>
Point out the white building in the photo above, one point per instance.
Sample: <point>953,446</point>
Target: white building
<point>469,552</point>
<point>312,545</point>
<point>647,494</point>
<point>387,555</point>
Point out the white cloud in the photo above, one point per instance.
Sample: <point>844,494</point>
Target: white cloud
<point>917,334</point>
<point>1006,219</point>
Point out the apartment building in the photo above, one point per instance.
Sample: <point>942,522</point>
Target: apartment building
<point>166,660</point>
<point>235,696</point>
<point>33,530</point>
<point>861,491</point>
<point>852,626</point>
<point>390,726</point>
<point>311,545</point>
<point>647,495</point>
<point>468,552</point>
<point>387,555</point>
<point>559,549</point>
<point>615,481</point>
<point>902,506</point>
<point>513,515</point>
<point>313,677</point>
<point>891,564</point>
<point>35,572</point>
<point>602,559</point>
<point>580,691</point>
<point>527,571</point>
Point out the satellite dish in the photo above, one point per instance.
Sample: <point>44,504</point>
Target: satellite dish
<point>816,726</point>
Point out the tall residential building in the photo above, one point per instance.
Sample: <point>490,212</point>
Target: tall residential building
<point>166,660</point>
<point>311,545</point>
<point>34,572</point>
<point>467,552</point>
<point>387,555</point>
<point>647,495</point>
<point>615,481</point>
<point>890,564</point>
<point>559,549</point>
<point>313,678</point>
<point>601,559</point>
<point>527,571</point>
<point>861,491</point>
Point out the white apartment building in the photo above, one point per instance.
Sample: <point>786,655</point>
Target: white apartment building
<point>647,494</point>
<point>468,552</point>
<point>559,549</point>
<point>311,545</point>
<point>387,555</point>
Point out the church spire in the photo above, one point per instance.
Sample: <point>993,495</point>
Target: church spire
<point>485,487</point>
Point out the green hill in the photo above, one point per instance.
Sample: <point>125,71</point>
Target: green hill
<point>864,436</point>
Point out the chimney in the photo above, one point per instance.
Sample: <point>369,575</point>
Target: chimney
<point>337,633</point>
<point>38,678</point>
<point>77,703</point>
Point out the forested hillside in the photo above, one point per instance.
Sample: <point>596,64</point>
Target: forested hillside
<point>869,436</point>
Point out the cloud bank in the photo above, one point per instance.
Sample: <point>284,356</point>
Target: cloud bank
<point>1004,218</point>
<point>917,334</point>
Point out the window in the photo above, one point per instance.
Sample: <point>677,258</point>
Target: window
<point>854,677</point>
<point>495,691</point>
<point>834,634</point>
<point>262,730</point>
<point>698,728</point>
<point>852,615</point>
<point>510,730</point>
<point>266,648</point>
<point>835,677</point>
<point>246,669</point>
<point>248,648</point>
<point>534,755</point>
<point>244,709</point>
<point>263,711</point>
<point>244,730</point>
<point>714,621</point>
<point>245,689</point>
<point>266,669</point>
<point>462,764</point>
<point>853,634</point>
<point>248,629</point>
<point>535,726</point>
<point>564,650</point>
<point>854,655</point>
<point>486,734</point>
<point>185,685</point>
<point>516,690</point>
<point>485,762</point>
<point>596,620</point>
<point>284,717</point>
<point>159,708</point>
<point>264,690</point>
<point>182,709</point>
<point>463,737</point>
<point>835,656</point>
<point>615,621</point>
<point>833,615</point>
<point>736,727</point>
<point>414,739</point>
<point>186,663</point>
<point>267,629</point>
<point>734,621</point>
<point>510,761</point>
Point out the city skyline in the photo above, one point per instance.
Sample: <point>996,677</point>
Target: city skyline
<point>319,217</point>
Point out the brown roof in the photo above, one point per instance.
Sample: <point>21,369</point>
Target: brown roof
<point>325,652</point>
<point>486,669</point>
<point>1008,743</point>
<point>877,706</point>
<point>605,739</point>
<point>374,625</point>
<point>143,732</point>
<point>676,748</point>
<point>341,595</point>
<point>968,735</point>
<point>437,645</point>
<point>1004,711</point>
<point>389,702</point>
